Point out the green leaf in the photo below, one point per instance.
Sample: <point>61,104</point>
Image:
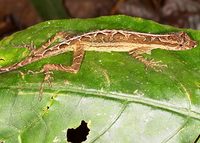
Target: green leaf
<point>50,9</point>
<point>119,99</point>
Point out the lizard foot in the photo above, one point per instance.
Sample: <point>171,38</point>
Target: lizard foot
<point>156,65</point>
<point>30,46</point>
<point>47,79</point>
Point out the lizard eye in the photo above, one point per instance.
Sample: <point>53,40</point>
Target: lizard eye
<point>180,45</point>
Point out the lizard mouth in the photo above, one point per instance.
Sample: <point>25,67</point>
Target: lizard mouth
<point>192,44</point>
<point>195,43</point>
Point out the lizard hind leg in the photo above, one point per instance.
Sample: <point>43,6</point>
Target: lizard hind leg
<point>59,35</point>
<point>137,54</point>
<point>73,68</point>
<point>33,49</point>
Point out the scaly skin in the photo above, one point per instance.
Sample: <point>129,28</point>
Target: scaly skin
<point>134,43</point>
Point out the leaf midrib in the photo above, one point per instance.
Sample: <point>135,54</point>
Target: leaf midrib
<point>131,98</point>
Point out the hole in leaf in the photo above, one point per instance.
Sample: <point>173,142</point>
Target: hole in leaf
<point>48,107</point>
<point>79,134</point>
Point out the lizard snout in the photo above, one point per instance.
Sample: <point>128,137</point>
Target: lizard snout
<point>193,44</point>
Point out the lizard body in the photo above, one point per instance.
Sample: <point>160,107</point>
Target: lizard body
<point>134,43</point>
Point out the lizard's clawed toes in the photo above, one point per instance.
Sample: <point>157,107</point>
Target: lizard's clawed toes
<point>156,65</point>
<point>47,79</point>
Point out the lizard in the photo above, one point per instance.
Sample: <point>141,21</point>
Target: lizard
<point>134,43</point>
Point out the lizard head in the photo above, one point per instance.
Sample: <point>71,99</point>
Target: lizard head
<point>184,41</point>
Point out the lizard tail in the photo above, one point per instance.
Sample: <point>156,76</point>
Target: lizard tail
<point>3,70</point>
<point>15,66</point>
<point>9,68</point>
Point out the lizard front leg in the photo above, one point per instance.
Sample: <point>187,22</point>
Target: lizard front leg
<point>137,54</point>
<point>59,35</point>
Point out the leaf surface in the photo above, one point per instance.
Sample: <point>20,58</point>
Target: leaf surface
<point>120,100</point>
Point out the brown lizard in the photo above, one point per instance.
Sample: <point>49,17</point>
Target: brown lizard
<point>134,43</point>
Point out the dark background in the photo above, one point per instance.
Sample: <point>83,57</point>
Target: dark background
<point>18,14</point>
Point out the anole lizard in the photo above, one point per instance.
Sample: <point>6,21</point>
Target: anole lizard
<point>134,43</point>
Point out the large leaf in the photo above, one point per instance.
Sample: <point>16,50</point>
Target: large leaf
<point>121,100</point>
